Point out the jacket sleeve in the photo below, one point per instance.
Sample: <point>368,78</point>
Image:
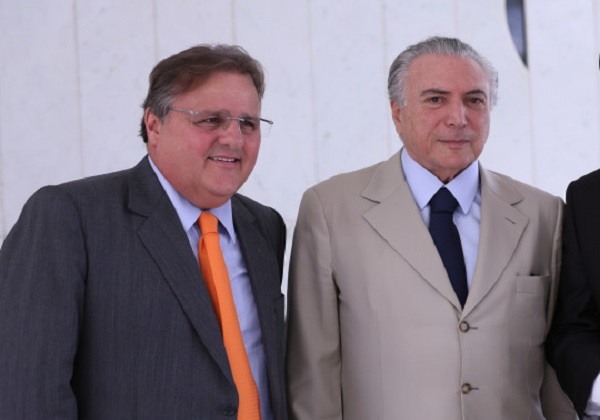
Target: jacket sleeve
<point>573,345</point>
<point>42,269</point>
<point>555,404</point>
<point>313,348</point>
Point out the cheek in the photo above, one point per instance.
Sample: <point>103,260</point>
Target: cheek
<point>251,151</point>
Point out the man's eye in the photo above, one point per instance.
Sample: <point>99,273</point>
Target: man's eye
<point>435,99</point>
<point>248,124</point>
<point>476,101</point>
<point>210,122</point>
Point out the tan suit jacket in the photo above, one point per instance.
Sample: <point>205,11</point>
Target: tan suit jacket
<point>375,328</point>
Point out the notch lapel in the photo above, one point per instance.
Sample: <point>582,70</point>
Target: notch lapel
<point>398,220</point>
<point>164,238</point>
<point>262,265</point>
<point>501,228</point>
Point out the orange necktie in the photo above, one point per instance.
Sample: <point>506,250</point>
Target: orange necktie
<point>215,275</point>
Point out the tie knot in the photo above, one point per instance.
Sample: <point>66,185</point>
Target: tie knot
<point>208,223</point>
<point>443,201</point>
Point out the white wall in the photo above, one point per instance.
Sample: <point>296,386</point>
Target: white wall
<point>73,74</point>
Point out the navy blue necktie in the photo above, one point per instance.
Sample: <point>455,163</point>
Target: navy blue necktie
<point>447,240</point>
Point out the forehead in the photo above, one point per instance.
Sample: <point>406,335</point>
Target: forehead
<point>223,88</point>
<point>450,73</point>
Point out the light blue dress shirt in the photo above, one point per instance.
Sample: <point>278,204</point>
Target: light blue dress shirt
<point>465,188</point>
<point>238,277</point>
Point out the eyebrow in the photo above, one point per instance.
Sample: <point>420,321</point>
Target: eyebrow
<point>434,91</point>
<point>437,91</point>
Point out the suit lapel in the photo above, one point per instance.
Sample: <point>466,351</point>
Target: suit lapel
<point>501,227</point>
<point>167,243</point>
<point>262,266</point>
<point>398,220</point>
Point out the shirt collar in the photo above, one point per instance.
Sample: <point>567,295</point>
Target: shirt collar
<point>189,213</point>
<point>423,184</point>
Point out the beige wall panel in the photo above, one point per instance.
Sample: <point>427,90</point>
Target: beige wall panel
<point>288,158</point>
<point>407,22</point>
<point>563,42</point>
<point>74,73</point>
<point>39,114</point>
<point>484,25</point>
<point>116,53</point>
<point>280,36</point>
<point>351,114</point>
<point>183,23</point>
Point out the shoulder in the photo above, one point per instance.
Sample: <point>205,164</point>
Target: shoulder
<point>538,205</point>
<point>75,191</point>
<point>98,186</point>
<point>347,190</point>
<point>257,209</point>
<point>586,183</point>
<point>348,182</point>
<point>517,190</point>
<point>106,191</point>
<point>74,201</point>
<point>267,217</point>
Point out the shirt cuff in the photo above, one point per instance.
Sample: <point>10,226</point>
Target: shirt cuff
<point>593,406</point>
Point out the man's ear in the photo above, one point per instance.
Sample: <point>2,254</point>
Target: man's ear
<point>396,112</point>
<point>153,126</point>
<point>396,116</point>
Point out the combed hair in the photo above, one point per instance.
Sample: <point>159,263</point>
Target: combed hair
<point>188,69</point>
<point>439,46</point>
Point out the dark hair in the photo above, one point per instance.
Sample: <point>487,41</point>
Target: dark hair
<point>440,46</point>
<point>188,69</point>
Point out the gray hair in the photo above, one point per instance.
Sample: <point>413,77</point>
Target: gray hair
<point>440,46</point>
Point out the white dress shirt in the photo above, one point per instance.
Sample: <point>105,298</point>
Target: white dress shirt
<point>241,289</point>
<point>592,410</point>
<point>465,188</point>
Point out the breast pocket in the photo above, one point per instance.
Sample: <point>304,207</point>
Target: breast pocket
<point>535,285</point>
<point>530,305</point>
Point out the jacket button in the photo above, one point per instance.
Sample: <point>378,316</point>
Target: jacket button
<point>465,388</point>
<point>464,326</point>
<point>229,411</point>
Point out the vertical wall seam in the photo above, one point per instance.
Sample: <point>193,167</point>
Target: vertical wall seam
<point>78,100</point>
<point>528,69</point>
<point>3,227</point>
<point>313,94</point>
<point>155,31</point>
<point>596,40</point>
<point>457,18</point>
<point>233,23</point>
<point>384,54</point>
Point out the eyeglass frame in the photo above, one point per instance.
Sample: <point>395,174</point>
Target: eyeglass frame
<point>227,119</point>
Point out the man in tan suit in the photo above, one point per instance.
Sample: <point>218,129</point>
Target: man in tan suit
<point>387,320</point>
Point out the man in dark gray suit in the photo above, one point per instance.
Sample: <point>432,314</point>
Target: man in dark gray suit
<point>104,312</point>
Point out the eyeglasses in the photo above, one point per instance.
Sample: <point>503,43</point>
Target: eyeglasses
<point>213,120</point>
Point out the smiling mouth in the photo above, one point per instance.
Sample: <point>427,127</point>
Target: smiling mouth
<point>224,159</point>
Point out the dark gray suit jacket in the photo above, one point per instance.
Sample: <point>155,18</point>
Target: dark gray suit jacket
<point>104,313</point>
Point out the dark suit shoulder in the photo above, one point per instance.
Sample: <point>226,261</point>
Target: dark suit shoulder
<point>585,184</point>
<point>95,187</point>
<point>592,178</point>
<point>268,220</point>
<point>264,214</point>
<point>137,188</point>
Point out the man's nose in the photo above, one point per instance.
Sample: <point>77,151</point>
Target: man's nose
<point>231,133</point>
<point>457,114</point>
